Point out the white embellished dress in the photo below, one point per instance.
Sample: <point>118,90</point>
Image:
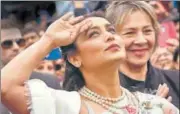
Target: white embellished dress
<point>45,100</point>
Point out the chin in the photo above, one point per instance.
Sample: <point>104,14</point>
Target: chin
<point>119,57</point>
<point>138,62</point>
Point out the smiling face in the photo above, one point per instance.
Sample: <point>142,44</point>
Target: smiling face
<point>139,37</point>
<point>99,45</point>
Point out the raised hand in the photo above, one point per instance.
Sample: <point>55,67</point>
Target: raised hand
<point>163,91</point>
<point>172,44</point>
<point>65,30</point>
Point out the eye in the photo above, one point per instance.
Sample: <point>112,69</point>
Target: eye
<point>148,31</point>
<point>33,37</point>
<point>50,68</point>
<point>40,67</point>
<point>129,33</point>
<point>93,34</point>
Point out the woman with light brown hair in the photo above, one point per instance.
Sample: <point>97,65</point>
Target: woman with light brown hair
<point>136,23</point>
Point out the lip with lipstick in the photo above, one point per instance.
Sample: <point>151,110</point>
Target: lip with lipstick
<point>113,47</point>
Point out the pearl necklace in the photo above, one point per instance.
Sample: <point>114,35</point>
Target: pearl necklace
<point>108,103</point>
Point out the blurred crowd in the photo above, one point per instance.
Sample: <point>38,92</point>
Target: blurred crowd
<point>15,36</point>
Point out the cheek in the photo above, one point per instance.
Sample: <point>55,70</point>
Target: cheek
<point>151,40</point>
<point>90,49</point>
<point>5,53</point>
<point>127,42</point>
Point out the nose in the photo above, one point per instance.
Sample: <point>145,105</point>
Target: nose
<point>15,46</point>
<point>109,37</point>
<point>30,40</point>
<point>140,39</point>
<point>47,70</point>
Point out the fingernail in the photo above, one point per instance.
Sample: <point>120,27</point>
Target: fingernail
<point>160,85</point>
<point>81,16</point>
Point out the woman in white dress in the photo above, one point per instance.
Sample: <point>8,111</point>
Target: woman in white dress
<point>93,52</point>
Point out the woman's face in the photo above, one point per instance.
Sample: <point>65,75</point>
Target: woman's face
<point>139,37</point>
<point>99,45</point>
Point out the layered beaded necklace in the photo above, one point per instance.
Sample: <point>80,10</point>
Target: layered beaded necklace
<point>111,104</point>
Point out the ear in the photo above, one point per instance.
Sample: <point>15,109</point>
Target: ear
<point>74,59</point>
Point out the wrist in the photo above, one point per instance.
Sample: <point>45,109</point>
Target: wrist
<point>49,40</point>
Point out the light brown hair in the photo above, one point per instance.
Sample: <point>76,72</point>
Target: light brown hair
<point>117,12</point>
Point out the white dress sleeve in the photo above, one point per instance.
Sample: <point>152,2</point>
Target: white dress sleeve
<point>45,100</point>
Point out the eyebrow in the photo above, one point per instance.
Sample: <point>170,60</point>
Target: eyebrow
<point>109,25</point>
<point>148,26</point>
<point>97,27</point>
<point>134,28</point>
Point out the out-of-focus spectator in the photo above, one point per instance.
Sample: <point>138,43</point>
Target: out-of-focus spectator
<point>59,66</point>
<point>167,27</point>
<point>43,20</point>
<point>159,10</point>
<point>176,57</point>
<point>46,66</point>
<point>167,31</point>
<point>31,35</point>
<point>172,44</point>
<point>177,27</point>
<point>79,7</point>
<point>11,41</point>
<point>63,7</point>
<point>97,5</point>
<point>41,32</point>
<point>162,58</point>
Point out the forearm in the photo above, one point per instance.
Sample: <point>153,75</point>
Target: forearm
<point>19,69</point>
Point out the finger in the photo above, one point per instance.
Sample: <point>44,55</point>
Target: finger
<point>165,91</point>
<point>76,20</point>
<point>75,32</point>
<point>159,90</point>
<point>85,27</point>
<point>67,25</point>
<point>61,21</point>
<point>169,99</point>
<point>67,16</point>
<point>78,28</point>
<point>162,88</point>
<point>159,86</point>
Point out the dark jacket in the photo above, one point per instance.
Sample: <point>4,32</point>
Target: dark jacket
<point>51,81</point>
<point>155,77</point>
